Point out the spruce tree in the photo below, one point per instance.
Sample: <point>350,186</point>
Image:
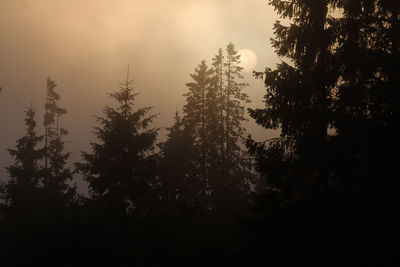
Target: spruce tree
<point>331,101</point>
<point>234,97</point>
<point>56,174</point>
<point>21,191</point>
<point>333,96</point>
<point>196,116</point>
<point>21,204</point>
<point>218,92</point>
<point>120,169</point>
<point>234,177</point>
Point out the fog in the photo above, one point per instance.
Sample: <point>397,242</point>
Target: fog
<point>87,45</point>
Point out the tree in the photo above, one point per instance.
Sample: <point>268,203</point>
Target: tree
<point>121,168</point>
<point>327,86</point>
<point>21,192</point>
<point>20,204</point>
<point>196,120</point>
<point>218,94</point>
<point>235,162</point>
<point>331,101</point>
<point>233,98</point>
<point>56,174</point>
<point>299,97</point>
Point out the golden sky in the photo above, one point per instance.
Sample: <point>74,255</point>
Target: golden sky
<point>86,46</point>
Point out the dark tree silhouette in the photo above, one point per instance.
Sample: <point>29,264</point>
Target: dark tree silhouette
<point>121,168</point>
<point>56,175</point>
<point>332,102</point>
<point>196,121</point>
<point>22,204</point>
<point>51,116</point>
<point>233,184</point>
<point>21,192</point>
<point>121,172</point>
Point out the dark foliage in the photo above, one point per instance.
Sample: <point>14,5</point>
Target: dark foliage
<point>331,173</point>
<point>121,168</point>
<point>56,176</point>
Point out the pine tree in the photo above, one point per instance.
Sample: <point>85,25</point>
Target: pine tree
<point>232,185</point>
<point>233,99</point>
<point>121,168</point>
<point>337,81</point>
<point>21,192</point>
<point>56,175</point>
<point>218,80</point>
<point>196,116</point>
<point>331,101</point>
<point>299,97</point>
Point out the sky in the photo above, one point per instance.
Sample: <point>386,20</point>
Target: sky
<point>86,46</point>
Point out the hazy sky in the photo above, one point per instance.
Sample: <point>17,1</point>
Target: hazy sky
<point>86,46</point>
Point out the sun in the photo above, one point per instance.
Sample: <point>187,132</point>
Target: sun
<point>248,59</point>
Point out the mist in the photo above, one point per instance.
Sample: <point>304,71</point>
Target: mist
<point>201,133</point>
<point>87,46</point>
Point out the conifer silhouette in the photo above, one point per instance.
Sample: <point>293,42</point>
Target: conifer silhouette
<point>328,100</point>
<point>56,175</point>
<point>121,168</point>
<point>21,192</point>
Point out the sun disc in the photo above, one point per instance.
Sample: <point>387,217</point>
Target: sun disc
<point>248,60</point>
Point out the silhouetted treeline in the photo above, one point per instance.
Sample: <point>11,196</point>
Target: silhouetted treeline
<point>323,193</point>
<point>180,203</point>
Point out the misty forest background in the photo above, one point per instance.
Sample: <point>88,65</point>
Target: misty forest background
<point>323,192</point>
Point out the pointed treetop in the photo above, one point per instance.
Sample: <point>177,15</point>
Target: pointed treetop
<point>125,96</point>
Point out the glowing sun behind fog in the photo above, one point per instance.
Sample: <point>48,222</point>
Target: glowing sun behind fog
<point>248,60</point>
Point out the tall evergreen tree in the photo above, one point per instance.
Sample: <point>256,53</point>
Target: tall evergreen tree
<point>56,174</point>
<point>121,168</point>
<point>21,192</point>
<point>196,118</point>
<point>299,97</point>
<point>331,103</point>
<point>218,94</point>
<point>234,97</point>
<point>234,177</point>
<point>21,203</point>
<point>338,80</point>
